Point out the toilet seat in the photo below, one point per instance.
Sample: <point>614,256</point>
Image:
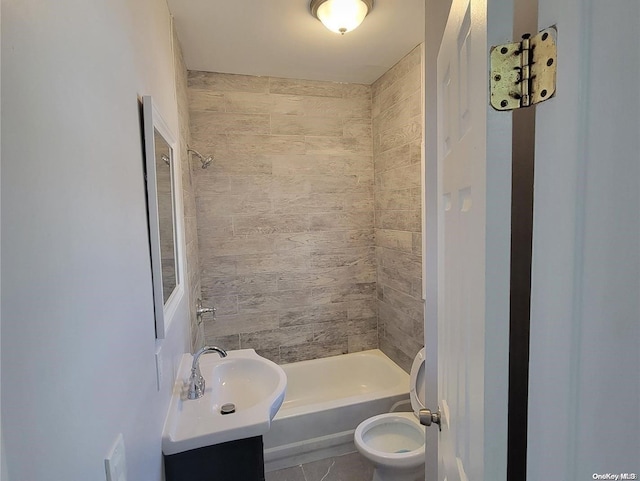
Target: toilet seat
<point>386,436</point>
<point>417,383</point>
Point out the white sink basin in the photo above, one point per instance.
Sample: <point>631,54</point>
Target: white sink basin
<point>254,384</point>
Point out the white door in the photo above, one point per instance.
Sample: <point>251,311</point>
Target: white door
<point>467,282</point>
<point>584,390</point>
<point>584,385</point>
<point>461,123</point>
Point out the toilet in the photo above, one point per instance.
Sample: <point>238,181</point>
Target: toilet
<point>394,442</point>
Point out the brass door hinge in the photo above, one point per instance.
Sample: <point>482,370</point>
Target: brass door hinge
<point>524,73</point>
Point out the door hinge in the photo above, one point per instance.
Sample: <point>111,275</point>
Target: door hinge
<point>524,73</point>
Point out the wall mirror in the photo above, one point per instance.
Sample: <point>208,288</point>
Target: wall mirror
<point>164,206</point>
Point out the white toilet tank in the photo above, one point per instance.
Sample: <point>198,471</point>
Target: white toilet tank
<point>417,383</point>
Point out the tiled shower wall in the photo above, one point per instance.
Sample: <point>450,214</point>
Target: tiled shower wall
<point>397,137</point>
<point>188,196</point>
<point>285,214</point>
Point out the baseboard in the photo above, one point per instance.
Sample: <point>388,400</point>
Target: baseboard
<point>307,451</point>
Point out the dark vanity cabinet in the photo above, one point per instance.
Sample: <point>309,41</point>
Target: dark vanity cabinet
<point>240,460</point>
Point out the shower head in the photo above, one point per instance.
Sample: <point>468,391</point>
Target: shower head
<point>204,160</point>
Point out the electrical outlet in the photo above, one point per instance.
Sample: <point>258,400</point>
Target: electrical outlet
<point>115,463</point>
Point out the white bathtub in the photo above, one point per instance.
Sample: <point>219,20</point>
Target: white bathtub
<point>325,401</point>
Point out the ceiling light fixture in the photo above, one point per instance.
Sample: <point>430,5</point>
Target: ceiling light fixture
<point>341,16</point>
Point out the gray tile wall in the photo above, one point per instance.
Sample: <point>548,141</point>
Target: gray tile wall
<point>397,136</point>
<point>188,192</point>
<point>285,214</point>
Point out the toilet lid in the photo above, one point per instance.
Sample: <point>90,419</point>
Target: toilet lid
<point>417,382</point>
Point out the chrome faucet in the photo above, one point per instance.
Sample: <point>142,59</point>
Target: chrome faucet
<point>196,381</point>
<point>200,310</point>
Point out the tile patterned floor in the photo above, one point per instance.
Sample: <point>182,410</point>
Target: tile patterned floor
<point>350,467</point>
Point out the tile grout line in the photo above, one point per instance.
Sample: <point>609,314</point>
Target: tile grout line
<point>304,475</point>
<point>328,470</point>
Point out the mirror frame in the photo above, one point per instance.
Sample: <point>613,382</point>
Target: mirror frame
<point>164,312</point>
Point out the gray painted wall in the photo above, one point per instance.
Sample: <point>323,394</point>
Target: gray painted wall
<point>78,337</point>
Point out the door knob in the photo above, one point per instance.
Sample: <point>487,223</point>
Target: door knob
<point>427,418</point>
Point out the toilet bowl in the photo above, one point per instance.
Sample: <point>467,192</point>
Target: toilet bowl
<point>394,442</point>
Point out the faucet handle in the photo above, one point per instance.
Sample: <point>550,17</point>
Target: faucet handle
<point>200,310</point>
<point>196,383</point>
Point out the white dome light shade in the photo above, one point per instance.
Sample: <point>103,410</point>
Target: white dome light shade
<point>341,16</point>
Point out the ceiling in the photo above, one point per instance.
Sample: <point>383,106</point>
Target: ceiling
<point>280,38</point>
